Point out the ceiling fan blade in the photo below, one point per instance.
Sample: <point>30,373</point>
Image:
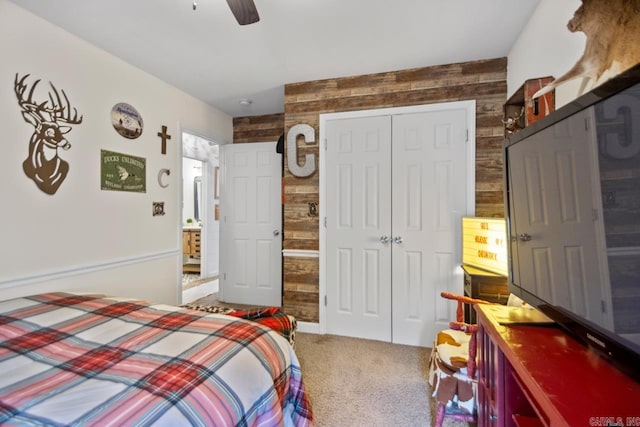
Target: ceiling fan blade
<point>244,10</point>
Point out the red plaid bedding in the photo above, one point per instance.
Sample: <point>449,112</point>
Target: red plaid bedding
<point>92,360</point>
<point>271,317</point>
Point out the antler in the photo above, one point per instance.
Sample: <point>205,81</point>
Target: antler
<point>58,110</point>
<point>29,106</point>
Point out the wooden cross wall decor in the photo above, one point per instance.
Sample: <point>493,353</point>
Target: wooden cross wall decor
<point>164,136</point>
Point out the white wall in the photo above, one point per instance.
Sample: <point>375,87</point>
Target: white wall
<point>83,238</point>
<point>546,47</point>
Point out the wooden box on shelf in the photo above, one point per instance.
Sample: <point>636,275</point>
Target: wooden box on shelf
<point>484,285</point>
<point>521,109</point>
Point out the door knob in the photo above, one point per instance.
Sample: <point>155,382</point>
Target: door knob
<point>524,237</point>
<point>384,239</point>
<point>276,232</point>
<point>397,240</point>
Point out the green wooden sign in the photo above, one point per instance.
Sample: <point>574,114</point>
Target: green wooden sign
<point>122,172</point>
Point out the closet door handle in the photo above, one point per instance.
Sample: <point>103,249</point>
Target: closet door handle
<point>397,240</point>
<point>524,237</point>
<point>384,239</point>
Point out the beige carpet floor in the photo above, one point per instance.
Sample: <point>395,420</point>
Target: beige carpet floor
<point>355,382</point>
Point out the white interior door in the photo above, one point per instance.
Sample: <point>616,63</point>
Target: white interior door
<point>359,217</point>
<point>429,200</point>
<point>552,241</point>
<point>251,224</point>
<point>396,193</point>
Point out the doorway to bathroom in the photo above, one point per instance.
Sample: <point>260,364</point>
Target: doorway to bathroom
<point>200,229</point>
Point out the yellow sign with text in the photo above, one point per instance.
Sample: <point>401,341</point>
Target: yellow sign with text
<point>484,244</point>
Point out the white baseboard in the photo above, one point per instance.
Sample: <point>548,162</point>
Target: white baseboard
<point>310,328</point>
<point>198,292</point>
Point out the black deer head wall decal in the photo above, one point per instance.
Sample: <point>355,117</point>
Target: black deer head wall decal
<point>43,165</point>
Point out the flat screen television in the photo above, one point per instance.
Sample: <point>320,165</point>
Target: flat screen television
<point>572,198</point>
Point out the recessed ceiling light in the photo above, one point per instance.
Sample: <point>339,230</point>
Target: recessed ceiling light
<point>245,102</point>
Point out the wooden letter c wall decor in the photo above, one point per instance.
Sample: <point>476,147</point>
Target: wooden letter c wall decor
<point>309,166</point>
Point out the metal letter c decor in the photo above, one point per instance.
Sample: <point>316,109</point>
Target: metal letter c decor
<point>309,166</point>
<point>160,175</point>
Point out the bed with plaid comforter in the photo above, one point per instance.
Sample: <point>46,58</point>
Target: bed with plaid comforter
<point>71,359</point>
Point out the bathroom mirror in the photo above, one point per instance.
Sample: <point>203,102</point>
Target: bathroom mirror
<point>197,198</point>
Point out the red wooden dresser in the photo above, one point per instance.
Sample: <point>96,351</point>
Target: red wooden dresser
<point>540,376</point>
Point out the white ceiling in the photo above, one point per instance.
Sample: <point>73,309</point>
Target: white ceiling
<point>208,55</point>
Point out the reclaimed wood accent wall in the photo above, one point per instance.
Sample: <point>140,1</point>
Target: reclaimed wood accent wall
<point>265,128</point>
<point>484,81</point>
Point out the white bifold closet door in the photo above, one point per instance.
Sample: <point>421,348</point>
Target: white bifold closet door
<point>395,198</point>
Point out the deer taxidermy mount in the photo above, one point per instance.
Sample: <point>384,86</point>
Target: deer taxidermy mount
<point>612,28</point>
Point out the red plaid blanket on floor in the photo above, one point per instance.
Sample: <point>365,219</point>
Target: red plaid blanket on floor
<point>271,317</point>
